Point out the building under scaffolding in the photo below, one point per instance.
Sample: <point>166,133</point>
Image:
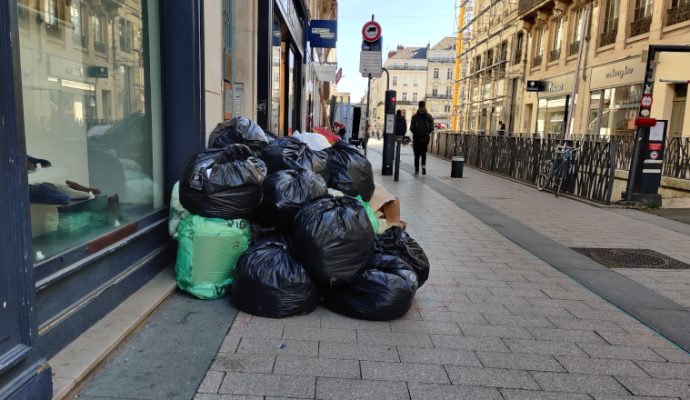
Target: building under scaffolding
<point>490,65</point>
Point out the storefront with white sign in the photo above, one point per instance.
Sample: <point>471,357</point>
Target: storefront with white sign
<point>552,109</point>
<point>614,98</point>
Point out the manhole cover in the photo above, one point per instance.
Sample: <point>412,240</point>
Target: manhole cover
<point>631,258</point>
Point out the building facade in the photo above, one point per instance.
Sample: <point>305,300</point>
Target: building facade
<point>494,48</point>
<point>589,59</point>
<point>102,103</point>
<point>439,78</point>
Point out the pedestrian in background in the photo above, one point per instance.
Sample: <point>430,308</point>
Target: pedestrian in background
<point>400,126</point>
<point>501,128</point>
<point>422,125</point>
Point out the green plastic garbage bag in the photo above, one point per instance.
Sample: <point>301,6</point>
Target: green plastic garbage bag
<point>207,254</point>
<point>177,212</point>
<point>371,214</point>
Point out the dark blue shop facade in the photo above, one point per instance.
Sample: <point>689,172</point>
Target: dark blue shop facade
<point>98,117</point>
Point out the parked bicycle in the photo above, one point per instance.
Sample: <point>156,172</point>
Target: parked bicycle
<point>561,169</point>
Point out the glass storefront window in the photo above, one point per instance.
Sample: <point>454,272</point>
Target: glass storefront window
<point>94,145</point>
<point>613,111</point>
<point>551,115</point>
<point>276,74</point>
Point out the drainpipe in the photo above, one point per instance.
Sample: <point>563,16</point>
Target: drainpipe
<point>580,52</point>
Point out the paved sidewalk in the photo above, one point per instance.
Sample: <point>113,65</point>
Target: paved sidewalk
<point>492,322</point>
<point>573,223</point>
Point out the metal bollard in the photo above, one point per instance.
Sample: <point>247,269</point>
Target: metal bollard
<point>456,166</point>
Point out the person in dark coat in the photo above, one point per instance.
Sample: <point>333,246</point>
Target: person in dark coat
<point>400,126</point>
<point>422,125</point>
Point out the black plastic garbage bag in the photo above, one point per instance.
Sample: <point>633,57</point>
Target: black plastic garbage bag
<point>374,295</point>
<point>291,153</point>
<point>334,239</point>
<point>285,192</point>
<point>350,171</point>
<point>239,130</point>
<point>271,283</point>
<point>395,241</point>
<point>270,136</point>
<point>223,183</point>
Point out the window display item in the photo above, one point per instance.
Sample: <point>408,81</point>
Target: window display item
<point>207,254</point>
<point>290,153</point>
<point>397,242</point>
<point>238,130</point>
<point>334,239</point>
<point>82,188</point>
<point>285,192</point>
<point>223,183</point>
<point>350,171</point>
<point>270,282</point>
<point>46,193</point>
<point>32,163</point>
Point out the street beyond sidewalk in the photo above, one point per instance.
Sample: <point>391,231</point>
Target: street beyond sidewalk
<point>493,322</point>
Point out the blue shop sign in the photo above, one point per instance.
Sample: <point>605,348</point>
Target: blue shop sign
<point>323,33</point>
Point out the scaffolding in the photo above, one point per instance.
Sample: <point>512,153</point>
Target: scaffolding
<point>485,28</point>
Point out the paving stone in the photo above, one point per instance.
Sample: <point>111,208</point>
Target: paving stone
<point>351,389</point>
<point>307,366</point>
<point>507,378</point>
<point>468,342</point>
<point>566,335</point>
<point>438,356</point>
<point>578,383</point>
<point>587,325</point>
<point>522,394</point>
<point>613,397</point>
<point>534,311</point>
<point>517,292</point>
<point>312,319</point>
<point>619,352</point>
<point>406,372</point>
<point>673,355</point>
<point>211,382</point>
<point>600,366</point>
<point>421,391</point>
<point>632,339</point>
<point>655,386</point>
<point>224,397</point>
<point>268,385</point>
<point>358,352</point>
<point>230,343</point>
<point>518,320</point>
<point>394,338</point>
<point>425,327</point>
<point>335,321</point>
<point>450,316</point>
<point>279,346</point>
<point>236,362</point>
<point>495,331</point>
<point>320,334</point>
<point>665,369</point>
<point>601,315</point>
<point>478,308</point>
<point>241,328</point>
<point>532,362</point>
<point>557,348</point>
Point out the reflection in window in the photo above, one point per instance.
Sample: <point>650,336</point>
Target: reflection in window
<point>613,111</point>
<point>94,159</point>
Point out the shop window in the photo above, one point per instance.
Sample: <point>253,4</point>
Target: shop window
<point>551,115</point>
<point>277,81</point>
<point>613,111</point>
<point>435,73</point>
<point>610,23</point>
<point>678,11</point>
<point>579,25</point>
<point>94,158</point>
<point>556,41</point>
<point>642,17</point>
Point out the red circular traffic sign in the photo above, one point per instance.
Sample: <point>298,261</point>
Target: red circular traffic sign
<point>371,31</point>
<point>646,100</point>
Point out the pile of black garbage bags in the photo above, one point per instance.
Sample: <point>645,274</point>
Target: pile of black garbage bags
<point>312,239</point>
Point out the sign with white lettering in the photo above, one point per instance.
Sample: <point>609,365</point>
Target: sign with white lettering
<point>626,72</point>
<point>370,63</point>
<point>323,33</point>
<point>559,86</point>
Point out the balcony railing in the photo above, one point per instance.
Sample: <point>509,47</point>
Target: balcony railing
<point>536,61</point>
<point>554,54</point>
<point>526,5</point>
<point>608,37</point>
<point>640,26</point>
<point>574,48</point>
<point>678,14</point>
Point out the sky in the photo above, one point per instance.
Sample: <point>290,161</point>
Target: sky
<point>411,23</point>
